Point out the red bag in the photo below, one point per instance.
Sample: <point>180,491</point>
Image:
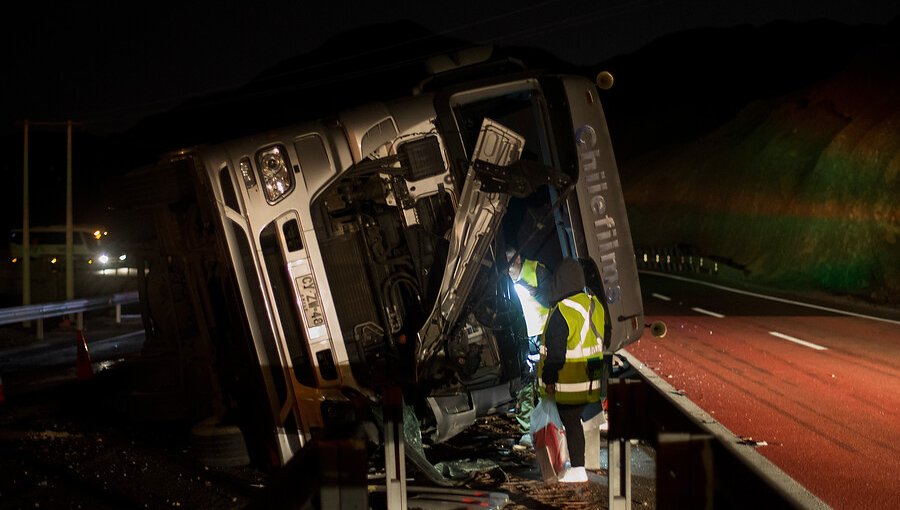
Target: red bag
<point>548,435</point>
<point>554,439</point>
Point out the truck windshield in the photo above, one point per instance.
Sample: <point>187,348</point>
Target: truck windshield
<point>520,110</point>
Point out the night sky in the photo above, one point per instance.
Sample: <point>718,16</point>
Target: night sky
<point>107,67</point>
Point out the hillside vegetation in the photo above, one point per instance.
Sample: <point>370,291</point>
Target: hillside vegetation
<point>802,189</point>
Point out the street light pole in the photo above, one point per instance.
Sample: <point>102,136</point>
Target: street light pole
<point>70,263</point>
<point>26,234</point>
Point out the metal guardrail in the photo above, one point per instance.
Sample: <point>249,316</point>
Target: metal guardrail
<point>681,259</point>
<point>40,312</point>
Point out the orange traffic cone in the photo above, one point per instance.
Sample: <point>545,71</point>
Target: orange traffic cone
<point>83,368</point>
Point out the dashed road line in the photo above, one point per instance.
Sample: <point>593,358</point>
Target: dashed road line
<point>707,312</point>
<point>772,298</point>
<point>660,296</point>
<point>798,341</point>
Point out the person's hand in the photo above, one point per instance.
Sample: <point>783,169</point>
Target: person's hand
<point>550,389</point>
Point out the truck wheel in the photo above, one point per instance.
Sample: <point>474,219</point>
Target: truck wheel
<point>217,445</point>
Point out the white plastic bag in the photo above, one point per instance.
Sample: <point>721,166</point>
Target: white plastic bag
<point>548,435</point>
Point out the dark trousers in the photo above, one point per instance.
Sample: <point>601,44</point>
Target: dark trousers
<point>570,414</point>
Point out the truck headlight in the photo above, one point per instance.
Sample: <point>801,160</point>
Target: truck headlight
<point>275,170</point>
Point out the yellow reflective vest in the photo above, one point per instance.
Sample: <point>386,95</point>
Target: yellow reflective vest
<point>535,313</point>
<point>576,384</point>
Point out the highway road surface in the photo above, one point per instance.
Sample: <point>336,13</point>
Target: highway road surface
<point>818,388</point>
<point>51,361</point>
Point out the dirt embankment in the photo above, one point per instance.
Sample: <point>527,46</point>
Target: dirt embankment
<point>800,189</point>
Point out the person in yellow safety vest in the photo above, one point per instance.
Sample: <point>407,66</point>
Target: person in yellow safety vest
<point>570,368</point>
<point>531,282</point>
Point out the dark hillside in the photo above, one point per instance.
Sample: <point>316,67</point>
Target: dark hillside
<point>353,68</point>
<point>687,84</point>
<point>800,188</point>
<point>373,63</point>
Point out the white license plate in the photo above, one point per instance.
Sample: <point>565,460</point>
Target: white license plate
<point>309,298</point>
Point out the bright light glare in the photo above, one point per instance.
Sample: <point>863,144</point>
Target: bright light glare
<point>532,310</point>
<point>14,260</point>
<point>97,234</point>
<point>53,260</point>
<point>122,257</point>
<point>104,259</point>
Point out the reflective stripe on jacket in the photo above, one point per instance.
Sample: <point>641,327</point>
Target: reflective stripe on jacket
<point>584,344</point>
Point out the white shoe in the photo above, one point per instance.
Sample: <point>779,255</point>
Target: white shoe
<point>573,475</point>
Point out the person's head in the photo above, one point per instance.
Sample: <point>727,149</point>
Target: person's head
<point>515,262</point>
<point>568,279</point>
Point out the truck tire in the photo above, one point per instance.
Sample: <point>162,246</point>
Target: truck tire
<point>217,445</point>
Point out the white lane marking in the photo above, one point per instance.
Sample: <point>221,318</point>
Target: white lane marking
<point>707,312</point>
<point>660,296</point>
<point>798,341</point>
<point>771,298</point>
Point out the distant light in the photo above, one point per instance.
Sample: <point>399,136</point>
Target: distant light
<point>103,259</point>
<point>122,257</point>
<point>90,261</point>
<point>53,260</point>
<point>97,234</point>
<point>15,259</point>
<point>105,233</point>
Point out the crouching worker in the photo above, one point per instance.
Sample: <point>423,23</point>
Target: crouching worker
<point>570,368</point>
<point>531,281</point>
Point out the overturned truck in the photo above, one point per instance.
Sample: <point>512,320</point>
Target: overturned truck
<point>291,276</point>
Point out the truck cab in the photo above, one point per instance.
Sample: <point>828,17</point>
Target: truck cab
<point>365,249</point>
